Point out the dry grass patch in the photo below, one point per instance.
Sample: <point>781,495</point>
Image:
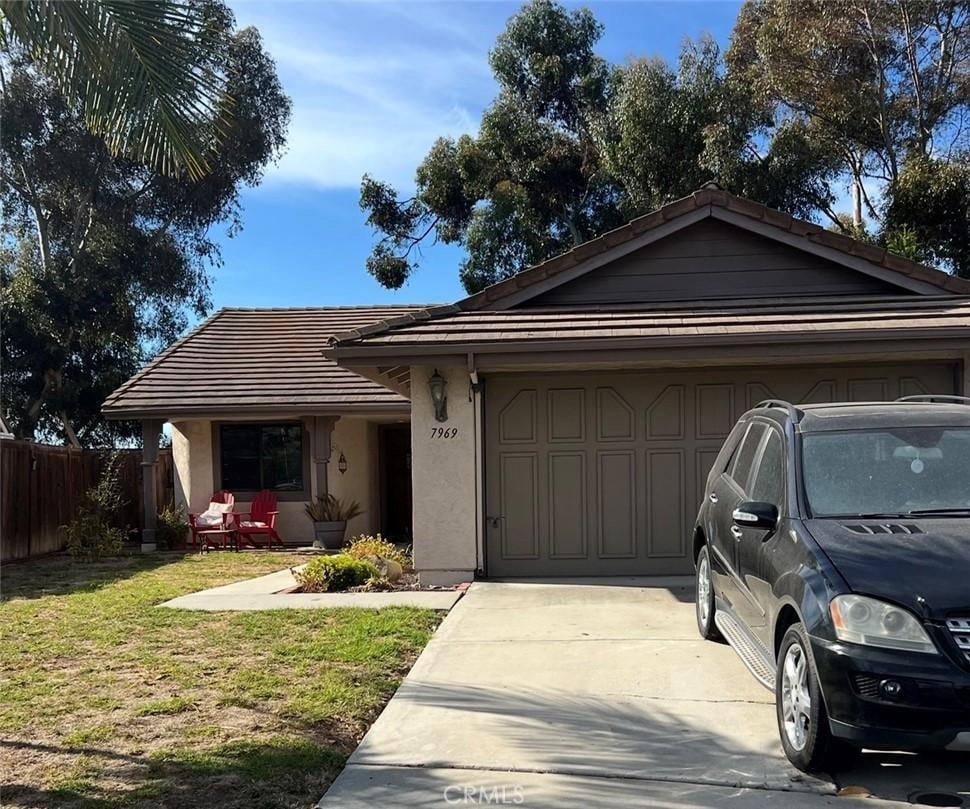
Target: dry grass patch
<point>108,701</point>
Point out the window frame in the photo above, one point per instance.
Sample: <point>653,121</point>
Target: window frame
<point>289,495</point>
<point>756,466</point>
<point>742,485</point>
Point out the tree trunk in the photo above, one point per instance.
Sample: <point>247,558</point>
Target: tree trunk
<point>857,203</point>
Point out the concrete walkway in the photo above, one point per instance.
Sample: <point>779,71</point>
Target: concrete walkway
<point>263,593</point>
<point>598,694</point>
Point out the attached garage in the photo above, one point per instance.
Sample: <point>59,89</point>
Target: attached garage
<point>602,474</point>
<point>564,420</point>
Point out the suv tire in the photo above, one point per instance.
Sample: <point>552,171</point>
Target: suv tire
<point>705,606</point>
<point>803,722</point>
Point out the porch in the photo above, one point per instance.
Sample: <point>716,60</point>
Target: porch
<point>298,459</point>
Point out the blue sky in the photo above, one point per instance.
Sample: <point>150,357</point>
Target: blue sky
<point>373,84</point>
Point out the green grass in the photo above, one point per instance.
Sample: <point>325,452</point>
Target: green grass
<point>108,701</point>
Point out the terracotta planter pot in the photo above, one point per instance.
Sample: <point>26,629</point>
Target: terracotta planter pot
<point>329,535</point>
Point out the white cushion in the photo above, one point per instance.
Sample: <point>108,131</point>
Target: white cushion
<point>213,514</point>
<point>252,524</point>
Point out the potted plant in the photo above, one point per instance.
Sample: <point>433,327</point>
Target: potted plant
<point>330,517</point>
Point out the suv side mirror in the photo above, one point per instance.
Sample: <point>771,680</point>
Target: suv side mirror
<point>753,514</point>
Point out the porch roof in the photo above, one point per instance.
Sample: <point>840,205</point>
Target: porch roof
<point>258,362</point>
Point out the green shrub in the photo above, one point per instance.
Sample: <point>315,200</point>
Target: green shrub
<point>95,531</point>
<point>332,574</point>
<point>171,526</point>
<point>364,546</point>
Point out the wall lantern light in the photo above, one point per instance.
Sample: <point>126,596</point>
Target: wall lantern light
<point>439,398</point>
<point>342,463</point>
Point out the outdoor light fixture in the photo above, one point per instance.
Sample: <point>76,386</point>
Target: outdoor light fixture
<point>439,398</point>
<point>342,463</point>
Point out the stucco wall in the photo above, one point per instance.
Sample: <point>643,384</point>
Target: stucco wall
<point>357,440</point>
<point>444,480</point>
<point>195,476</point>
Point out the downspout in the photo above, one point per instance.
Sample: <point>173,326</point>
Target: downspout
<point>475,397</point>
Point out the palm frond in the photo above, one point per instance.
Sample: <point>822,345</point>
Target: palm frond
<point>140,68</point>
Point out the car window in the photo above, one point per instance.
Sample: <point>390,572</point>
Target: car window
<point>887,471</point>
<point>769,480</point>
<point>744,457</point>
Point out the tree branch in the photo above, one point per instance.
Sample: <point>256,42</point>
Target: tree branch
<point>416,240</point>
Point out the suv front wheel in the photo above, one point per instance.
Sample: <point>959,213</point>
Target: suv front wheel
<point>803,722</point>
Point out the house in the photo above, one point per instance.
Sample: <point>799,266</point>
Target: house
<point>562,422</point>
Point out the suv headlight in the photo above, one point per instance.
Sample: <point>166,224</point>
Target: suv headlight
<point>871,622</point>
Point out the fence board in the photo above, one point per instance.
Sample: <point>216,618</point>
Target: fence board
<point>41,488</point>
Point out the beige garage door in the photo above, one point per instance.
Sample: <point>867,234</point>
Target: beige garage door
<point>602,474</point>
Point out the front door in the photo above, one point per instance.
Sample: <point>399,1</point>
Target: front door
<point>395,444</point>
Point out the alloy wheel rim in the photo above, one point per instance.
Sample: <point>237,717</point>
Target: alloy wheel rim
<point>796,700</point>
<point>704,590</point>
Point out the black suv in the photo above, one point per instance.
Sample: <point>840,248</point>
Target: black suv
<point>833,553</point>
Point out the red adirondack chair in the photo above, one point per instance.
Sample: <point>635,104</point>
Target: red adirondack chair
<point>260,520</point>
<point>206,532</point>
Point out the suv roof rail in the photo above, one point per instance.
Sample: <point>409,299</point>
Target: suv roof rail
<point>930,398</point>
<point>795,413</point>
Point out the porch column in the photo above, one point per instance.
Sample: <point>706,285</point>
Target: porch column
<point>322,431</point>
<point>965,389</point>
<point>151,432</point>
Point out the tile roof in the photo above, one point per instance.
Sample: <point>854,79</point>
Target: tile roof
<point>256,361</point>
<point>712,197</point>
<point>561,328</point>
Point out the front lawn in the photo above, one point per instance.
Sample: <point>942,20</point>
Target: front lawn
<point>107,701</point>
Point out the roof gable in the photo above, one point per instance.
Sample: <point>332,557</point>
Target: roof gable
<point>711,202</point>
<point>711,260</point>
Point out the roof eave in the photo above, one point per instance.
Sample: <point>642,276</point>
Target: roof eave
<point>184,412</point>
<point>429,353</point>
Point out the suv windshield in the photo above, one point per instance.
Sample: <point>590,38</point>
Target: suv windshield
<point>887,472</point>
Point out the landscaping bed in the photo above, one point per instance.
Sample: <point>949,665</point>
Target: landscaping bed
<point>407,583</point>
<point>369,564</point>
<point>107,701</point>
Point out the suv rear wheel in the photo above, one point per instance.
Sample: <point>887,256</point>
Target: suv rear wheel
<point>803,722</point>
<point>704,603</point>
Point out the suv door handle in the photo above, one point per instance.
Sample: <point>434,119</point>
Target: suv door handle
<point>712,497</point>
<point>736,532</point>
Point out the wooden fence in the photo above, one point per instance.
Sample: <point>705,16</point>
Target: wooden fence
<point>41,486</point>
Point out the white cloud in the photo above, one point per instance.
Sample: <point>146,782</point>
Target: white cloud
<point>372,85</point>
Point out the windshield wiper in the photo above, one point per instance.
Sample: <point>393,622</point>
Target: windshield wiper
<point>923,511</point>
<point>898,515</point>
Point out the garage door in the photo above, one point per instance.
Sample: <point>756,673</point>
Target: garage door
<point>602,474</point>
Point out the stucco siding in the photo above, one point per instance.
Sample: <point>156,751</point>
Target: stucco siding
<point>444,480</point>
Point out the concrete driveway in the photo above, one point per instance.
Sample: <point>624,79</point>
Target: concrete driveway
<point>594,694</point>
